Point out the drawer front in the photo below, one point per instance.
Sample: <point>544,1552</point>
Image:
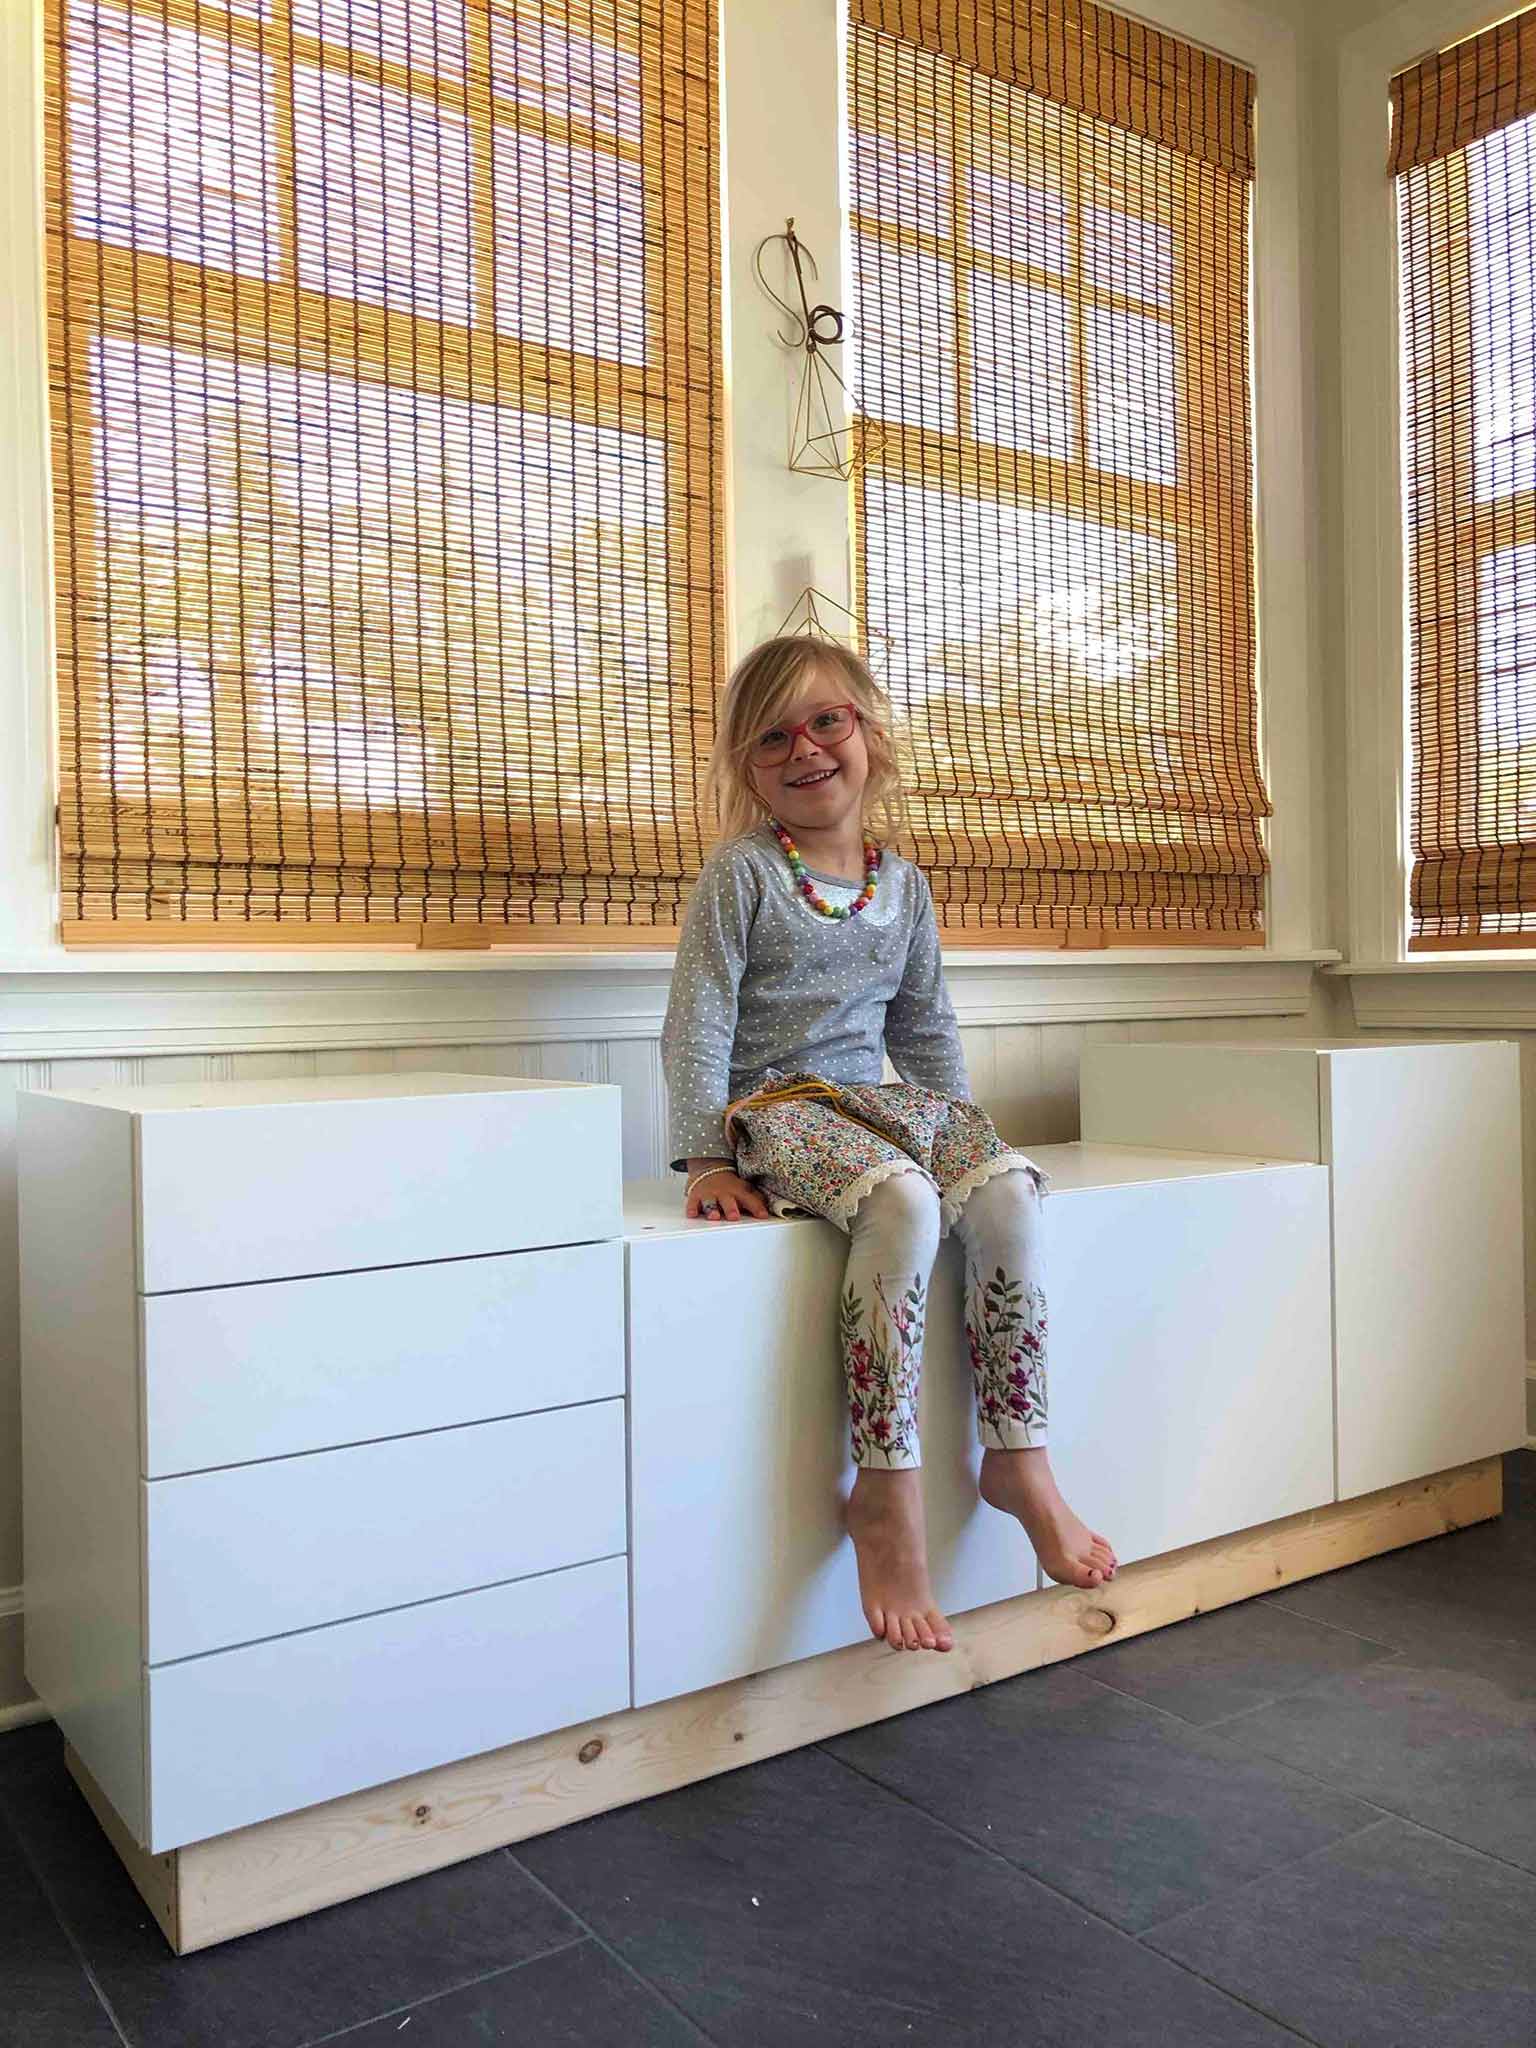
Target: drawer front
<point>259,1550</point>
<point>276,1726</point>
<point>233,1374</point>
<point>266,1191</point>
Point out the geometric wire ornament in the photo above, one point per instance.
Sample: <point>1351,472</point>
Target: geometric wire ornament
<point>819,617</point>
<point>826,437</point>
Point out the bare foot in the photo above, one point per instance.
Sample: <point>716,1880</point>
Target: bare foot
<point>1022,1483</point>
<point>885,1520</point>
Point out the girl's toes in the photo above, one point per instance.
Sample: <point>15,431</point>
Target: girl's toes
<point>925,1635</point>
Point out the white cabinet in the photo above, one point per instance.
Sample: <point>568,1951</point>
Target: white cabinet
<point>259,1181</point>
<point>1189,1396</point>
<point>304,1718</point>
<point>336,1469</point>
<point>261,1550</point>
<point>323,1430</point>
<point>1422,1147</point>
<point>262,1371</point>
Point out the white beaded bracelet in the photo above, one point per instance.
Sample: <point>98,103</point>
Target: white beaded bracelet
<point>708,1175</point>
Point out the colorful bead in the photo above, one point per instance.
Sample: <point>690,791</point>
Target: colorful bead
<point>807,888</point>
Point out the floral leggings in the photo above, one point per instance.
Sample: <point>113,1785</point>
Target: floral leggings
<point>894,1237</point>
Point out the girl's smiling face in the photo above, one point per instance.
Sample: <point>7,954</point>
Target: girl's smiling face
<point>819,787</point>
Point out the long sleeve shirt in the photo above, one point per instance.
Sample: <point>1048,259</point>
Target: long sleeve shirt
<point>764,981</point>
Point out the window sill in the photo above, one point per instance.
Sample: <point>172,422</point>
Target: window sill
<point>90,1006</point>
<point>1476,991</point>
<point>350,960</point>
<point>1502,962</point>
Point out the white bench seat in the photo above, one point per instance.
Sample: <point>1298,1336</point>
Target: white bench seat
<point>1190,1396</point>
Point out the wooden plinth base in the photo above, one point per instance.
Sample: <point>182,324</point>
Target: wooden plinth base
<point>232,1884</point>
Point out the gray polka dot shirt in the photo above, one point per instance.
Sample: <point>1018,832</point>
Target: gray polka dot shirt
<point>762,980</point>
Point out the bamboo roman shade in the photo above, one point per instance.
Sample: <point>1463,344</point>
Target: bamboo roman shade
<point>1464,158</point>
<point>1051,209</point>
<point>386,404</point>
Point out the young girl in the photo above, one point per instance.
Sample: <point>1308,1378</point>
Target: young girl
<point>808,952</point>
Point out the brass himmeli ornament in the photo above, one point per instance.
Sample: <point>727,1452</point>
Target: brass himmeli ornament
<point>820,617</point>
<point>826,436</point>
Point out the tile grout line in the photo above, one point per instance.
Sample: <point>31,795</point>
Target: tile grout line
<point>1395,1813</point>
<point>611,1952</point>
<point>1300,1613</point>
<point>1388,1814</point>
<point>65,1929</point>
<point>1260,1877</point>
<point>1382,1811</point>
<point>1301,1692</point>
<point>1277,1599</point>
<point>449,1991</point>
<point>1033,1877</point>
<point>1237,1714</point>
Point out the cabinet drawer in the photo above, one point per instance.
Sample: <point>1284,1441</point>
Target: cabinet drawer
<point>233,1374</point>
<point>404,1169</point>
<point>276,1726</point>
<point>259,1550</point>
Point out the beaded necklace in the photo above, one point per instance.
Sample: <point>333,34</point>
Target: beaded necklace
<point>807,888</point>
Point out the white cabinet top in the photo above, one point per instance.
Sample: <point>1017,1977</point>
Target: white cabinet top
<point>282,1091</point>
<point>1268,1047</point>
<point>273,1180</point>
<point>656,1206</point>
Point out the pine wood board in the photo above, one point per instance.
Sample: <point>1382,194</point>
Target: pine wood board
<point>215,1890</point>
<point>157,1877</point>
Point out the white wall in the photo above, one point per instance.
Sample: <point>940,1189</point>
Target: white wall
<point>97,1020</point>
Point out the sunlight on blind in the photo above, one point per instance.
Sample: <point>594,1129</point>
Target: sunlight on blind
<point>1464,150</point>
<point>1055,537</point>
<point>387,461</point>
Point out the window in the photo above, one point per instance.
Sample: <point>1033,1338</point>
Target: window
<point>1464,157</point>
<point>387,454</point>
<point>1055,533</point>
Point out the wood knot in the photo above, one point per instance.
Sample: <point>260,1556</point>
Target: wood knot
<point>1098,1621</point>
<point>423,1813</point>
<point>739,1736</point>
<point>589,1752</point>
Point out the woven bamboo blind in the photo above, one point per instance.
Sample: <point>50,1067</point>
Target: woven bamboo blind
<point>1056,531</point>
<point>386,401</point>
<point>1464,157</point>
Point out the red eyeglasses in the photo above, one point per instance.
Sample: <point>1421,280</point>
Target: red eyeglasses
<point>828,726</point>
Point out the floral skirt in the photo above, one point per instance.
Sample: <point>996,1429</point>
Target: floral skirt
<point>822,1145</point>
<point>829,1148</point>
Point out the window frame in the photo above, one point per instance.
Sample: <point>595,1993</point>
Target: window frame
<point>958,461</point>
<point>1376,568</point>
<point>783,532</point>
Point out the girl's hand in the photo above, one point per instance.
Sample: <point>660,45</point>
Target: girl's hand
<point>732,1197</point>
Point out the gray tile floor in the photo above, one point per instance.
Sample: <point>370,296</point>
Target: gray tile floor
<point>1311,1817</point>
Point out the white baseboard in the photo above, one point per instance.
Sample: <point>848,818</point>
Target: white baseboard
<point>16,1713</point>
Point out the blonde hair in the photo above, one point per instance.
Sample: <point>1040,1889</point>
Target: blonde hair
<point>761,685</point>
